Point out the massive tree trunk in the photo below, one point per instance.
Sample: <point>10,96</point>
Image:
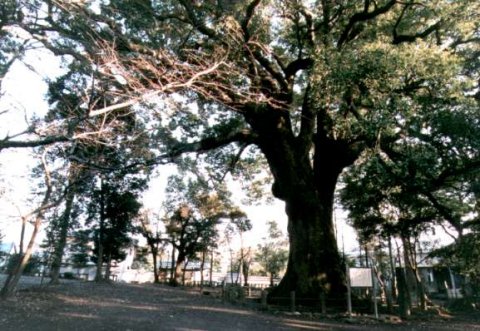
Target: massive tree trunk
<point>307,186</point>
<point>314,262</point>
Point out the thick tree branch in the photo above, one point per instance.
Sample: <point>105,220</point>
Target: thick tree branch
<point>248,17</point>
<point>210,143</point>
<point>448,173</point>
<point>362,17</point>
<point>446,212</point>
<point>269,67</point>
<point>177,149</point>
<point>307,125</point>
<point>5,143</point>
<point>398,38</point>
<point>297,65</point>
<point>197,22</point>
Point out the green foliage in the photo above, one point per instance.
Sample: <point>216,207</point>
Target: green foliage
<point>234,293</point>
<point>80,249</point>
<point>120,210</point>
<point>69,275</point>
<point>463,257</point>
<point>140,260</point>
<point>33,266</point>
<point>273,253</point>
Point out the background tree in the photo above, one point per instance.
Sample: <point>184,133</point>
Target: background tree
<point>238,225</point>
<point>80,249</point>
<point>425,179</point>
<point>195,208</point>
<point>272,254</point>
<point>37,216</point>
<point>149,228</point>
<point>117,210</point>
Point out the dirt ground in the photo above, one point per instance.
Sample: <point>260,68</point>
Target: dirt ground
<point>75,305</point>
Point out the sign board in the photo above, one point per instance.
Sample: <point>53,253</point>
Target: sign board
<point>360,277</point>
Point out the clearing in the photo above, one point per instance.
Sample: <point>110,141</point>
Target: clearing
<point>75,305</point>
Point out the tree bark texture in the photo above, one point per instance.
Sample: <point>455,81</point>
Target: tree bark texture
<point>98,275</point>
<point>64,226</point>
<point>403,294</point>
<point>179,267</point>
<point>156,276</point>
<point>307,188</point>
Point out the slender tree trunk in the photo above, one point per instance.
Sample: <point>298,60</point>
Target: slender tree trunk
<point>154,250</point>
<point>109,268</point>
<point>411,282</point>
<point>184,271</point>
<point>172,269</point>
<point>240,267</point>
<point>64,226</point>
<point>404,303</point>
<point>366,256</point>
<point>421,291</point>
<point>393,290</point>
<point>12,280</point>
<point>231,266</point>
<point>383,287</point>
<point>22,236</point>
<point>246,270</point>
<point>211,268</point>
<point>202,267</point>
<point>179,266</point>
<point>98,275</point>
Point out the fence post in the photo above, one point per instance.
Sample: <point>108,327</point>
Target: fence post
<point>323,305</point>
<point>264,299</point>
<point>292,301</point>
<point>224,294</point>
<point>349,293</point>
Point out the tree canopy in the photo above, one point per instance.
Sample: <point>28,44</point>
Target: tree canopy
<point>308,86</point>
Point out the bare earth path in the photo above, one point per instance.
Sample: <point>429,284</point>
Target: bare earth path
<point>89,306</point>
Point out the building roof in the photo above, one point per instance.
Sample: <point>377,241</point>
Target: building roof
<point>191,265</point>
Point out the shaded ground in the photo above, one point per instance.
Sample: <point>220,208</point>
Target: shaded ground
<point>90,306</point>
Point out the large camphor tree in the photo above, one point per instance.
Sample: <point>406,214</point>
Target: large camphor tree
<point>307,85</point>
